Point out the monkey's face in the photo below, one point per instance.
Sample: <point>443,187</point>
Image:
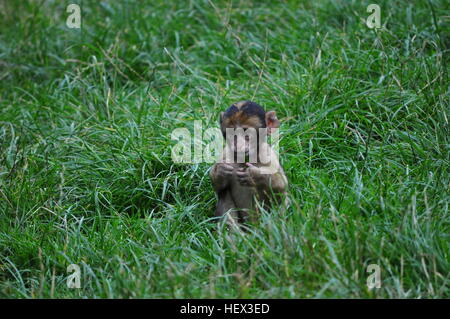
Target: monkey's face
<point>245,125</point>
<point>242,139</point>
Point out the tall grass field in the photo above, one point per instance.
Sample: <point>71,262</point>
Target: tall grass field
<point>88,185</point>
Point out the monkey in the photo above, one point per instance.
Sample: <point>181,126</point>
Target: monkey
<point>248,169</point>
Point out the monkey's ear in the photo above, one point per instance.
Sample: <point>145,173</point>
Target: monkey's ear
<point>272,122</point>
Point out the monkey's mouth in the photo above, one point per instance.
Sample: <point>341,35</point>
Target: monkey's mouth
<point>250,156</point>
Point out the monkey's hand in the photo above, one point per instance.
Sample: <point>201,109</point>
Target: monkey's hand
<point>224,170</point>
<point>248,176</point>
<point>220,175</point>
<point>253,176</point>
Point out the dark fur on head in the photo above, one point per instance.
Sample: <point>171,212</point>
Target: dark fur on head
<point>244,112</point>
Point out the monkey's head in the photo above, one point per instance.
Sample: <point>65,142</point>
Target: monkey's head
<point>245,125</point>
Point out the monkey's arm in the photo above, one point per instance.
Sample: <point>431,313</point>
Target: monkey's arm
<point>276,183</point>
<point>221,174</point>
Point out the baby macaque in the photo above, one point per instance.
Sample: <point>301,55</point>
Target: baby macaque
<point>249,168</point>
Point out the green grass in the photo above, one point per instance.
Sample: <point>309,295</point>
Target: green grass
<point>86,175</point>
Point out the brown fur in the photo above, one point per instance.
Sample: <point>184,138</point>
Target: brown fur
<point>241,119</point>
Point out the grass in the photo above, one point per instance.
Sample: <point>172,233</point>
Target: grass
<point>86,175</point>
